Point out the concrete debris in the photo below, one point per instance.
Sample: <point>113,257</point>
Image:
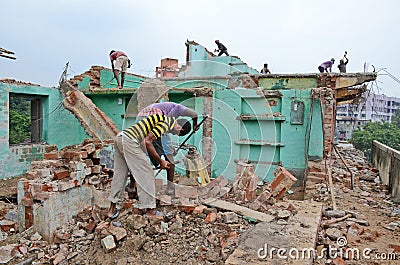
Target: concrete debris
<point>201,224</point>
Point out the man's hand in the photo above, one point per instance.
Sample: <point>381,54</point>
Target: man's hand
<point>164,164</point>
<point>196,127</point>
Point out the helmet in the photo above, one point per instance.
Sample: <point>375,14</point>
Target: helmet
<point>216,41</point>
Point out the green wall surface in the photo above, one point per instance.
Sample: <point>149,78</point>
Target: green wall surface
<point>202,64</point>
<point>59,127</point>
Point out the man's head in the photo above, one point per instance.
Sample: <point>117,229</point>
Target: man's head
<point>216,41</point>
<point>111,52</point>
<point>333,60</point>
<point>181,127</point>
<point>266,65</point>
<point>341,61</point>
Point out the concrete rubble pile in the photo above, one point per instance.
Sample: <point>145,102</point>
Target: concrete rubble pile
<point>350,223</point>
<point>208,233</point>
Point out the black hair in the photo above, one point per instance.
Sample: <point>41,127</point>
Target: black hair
<point>112,51</point>
<point>186,126</point>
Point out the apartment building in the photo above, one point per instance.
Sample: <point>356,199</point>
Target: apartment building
<point>375,108</point>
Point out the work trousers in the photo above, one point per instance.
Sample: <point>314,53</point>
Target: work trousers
<point>128,156</point>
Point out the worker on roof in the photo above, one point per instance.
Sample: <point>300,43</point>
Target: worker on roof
<point>163,145</point>
<point>130,148</point>
<point>221,48</point>
<point>119,64</point>
<point>326,65</point>
<point>343,63</point>
<point>265,69</point>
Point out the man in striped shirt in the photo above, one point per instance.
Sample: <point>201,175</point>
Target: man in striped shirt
<point>163,145</point>
<point>130,149</point>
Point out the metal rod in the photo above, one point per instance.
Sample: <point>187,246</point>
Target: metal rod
<point>345,164</point>
<point>187,138</point>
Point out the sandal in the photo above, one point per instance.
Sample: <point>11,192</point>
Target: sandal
<point>115,215</point>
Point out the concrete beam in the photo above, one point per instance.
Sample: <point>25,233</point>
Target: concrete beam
<point>349,80</point>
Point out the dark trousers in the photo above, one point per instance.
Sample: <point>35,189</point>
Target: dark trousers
<point>222,52</point>
<point>321,69</point>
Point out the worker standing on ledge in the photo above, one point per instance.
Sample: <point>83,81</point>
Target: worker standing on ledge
<point>120,66</point>
<point>343,63</point>
<point>265,69</point>
<point>221,48</point>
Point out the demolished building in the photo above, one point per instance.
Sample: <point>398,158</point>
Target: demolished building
<point>271,122</point>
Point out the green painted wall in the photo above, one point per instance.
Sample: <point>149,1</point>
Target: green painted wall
<point>59,127</point>
<point>288,82</point>
<point>202,64</point>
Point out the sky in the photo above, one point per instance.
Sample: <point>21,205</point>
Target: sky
<point>292,36</point>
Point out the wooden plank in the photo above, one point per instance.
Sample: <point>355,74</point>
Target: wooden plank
<point>6,51</point>
<point>239,209</point>
<point>7,56</point>
<point>332,188</point>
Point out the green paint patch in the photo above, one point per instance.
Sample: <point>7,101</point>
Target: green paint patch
<point>280,84</point>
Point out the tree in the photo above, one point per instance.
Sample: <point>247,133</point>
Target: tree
<point>386,133</point>
<point>20,127</point>
<point>20,120</point>
<point>396,118</point>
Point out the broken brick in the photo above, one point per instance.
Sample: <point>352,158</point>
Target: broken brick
<point>165,199</point>
<point>27,201</point>
<point>185,191</point>
<point>51,156</point>
<point>61,174</point>
<point>211,217</point>
<point>6,225</point>
<point>282,182</point>
<point>199,209</point>
<point>264,196</point>
<point>395,247</point>
<point>89,227</point>
<point>108,243</point>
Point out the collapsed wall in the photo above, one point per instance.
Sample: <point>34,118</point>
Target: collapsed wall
<point>61,185</point>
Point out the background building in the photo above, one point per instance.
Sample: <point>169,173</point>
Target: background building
<point>375,108</point>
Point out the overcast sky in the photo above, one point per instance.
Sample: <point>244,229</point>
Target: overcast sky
<point>293,36</point>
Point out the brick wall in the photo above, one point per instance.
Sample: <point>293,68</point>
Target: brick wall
<point>207,132</point>
<point>16,160</point>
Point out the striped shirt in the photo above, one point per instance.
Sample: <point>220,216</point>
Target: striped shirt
<point>158,124</point>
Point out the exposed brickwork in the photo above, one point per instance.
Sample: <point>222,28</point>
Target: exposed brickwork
<point>207,132</point>
<point>47,177</point>
<point>245,182</point>
<point>328,102</point>
<point>282,182</point>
